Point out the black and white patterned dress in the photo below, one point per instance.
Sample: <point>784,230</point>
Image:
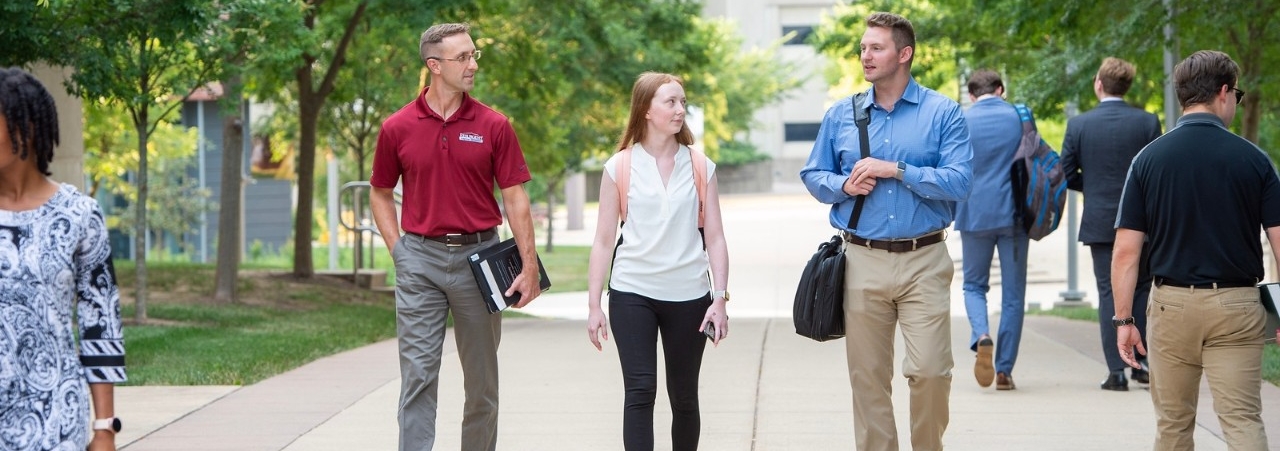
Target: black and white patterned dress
<point>51,258</point>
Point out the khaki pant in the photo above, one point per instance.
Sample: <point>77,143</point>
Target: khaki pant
<point>1215,332</point>
<point>432,281</point>
<point>882,290</point>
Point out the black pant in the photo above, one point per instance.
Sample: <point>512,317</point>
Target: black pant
<point>1107,305</point>
<point>636,321</point>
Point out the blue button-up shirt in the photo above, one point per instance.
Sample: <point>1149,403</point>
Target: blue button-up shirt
<point>928,132</point>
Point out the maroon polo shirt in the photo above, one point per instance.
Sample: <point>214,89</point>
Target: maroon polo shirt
<point>448,167</point>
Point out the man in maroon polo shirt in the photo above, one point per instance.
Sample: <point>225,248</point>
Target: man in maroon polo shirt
<point>448,150</point>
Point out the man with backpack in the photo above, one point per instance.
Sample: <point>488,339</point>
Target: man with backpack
<point>1096,153</point>
<point>986,223</point>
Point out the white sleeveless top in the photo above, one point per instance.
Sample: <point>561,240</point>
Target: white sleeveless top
<point>661,255</point>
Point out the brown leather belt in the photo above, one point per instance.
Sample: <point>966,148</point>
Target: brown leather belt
<point>1163,281</point>
<point>460,239</point>
<point>896,245</point>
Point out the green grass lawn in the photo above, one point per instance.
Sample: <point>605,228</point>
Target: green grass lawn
<point>240,344</point>
<point>279,324</point>
<point>1270,352</point>
<point>567,267</point>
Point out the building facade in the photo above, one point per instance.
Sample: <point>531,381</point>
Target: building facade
<point>785,130</point>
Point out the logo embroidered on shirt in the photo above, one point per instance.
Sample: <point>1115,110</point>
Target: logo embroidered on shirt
<point>471,137</point>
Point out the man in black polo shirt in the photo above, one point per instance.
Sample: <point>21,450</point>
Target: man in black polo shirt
<point>1201,195</point>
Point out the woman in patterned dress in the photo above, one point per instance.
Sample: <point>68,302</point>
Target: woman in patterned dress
<point>54,254</point>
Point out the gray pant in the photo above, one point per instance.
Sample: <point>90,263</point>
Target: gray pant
<point>432,280</point>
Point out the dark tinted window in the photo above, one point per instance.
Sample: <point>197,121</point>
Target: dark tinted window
<point>802,132</point>
<point>802,34</point>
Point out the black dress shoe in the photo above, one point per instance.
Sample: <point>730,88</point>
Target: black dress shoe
<point>1116,382</point>
<point>1141,376</point>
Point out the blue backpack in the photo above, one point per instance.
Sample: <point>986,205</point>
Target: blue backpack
<point>1039,186</point>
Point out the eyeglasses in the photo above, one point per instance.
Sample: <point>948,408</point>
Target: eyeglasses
<point>1239,96</point>
<point>461,59</point>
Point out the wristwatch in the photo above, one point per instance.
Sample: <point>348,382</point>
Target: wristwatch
<point>1121,322</point>
<point>720,294</point>
<point>107,424</point>
<point>902,170</point>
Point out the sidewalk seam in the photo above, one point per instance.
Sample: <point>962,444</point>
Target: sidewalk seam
<point>178,419</point>
<point>329,418</point>
<point>755,412</point>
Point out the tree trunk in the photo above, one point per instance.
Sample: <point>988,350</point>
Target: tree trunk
<point>140,218</point>
<point>230,247</point>
<point>552,188</point>
<point>311,98</point>
<point>308,115</point>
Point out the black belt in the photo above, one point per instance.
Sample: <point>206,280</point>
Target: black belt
<point>1161,281</point>
<point>459,239</point>
<point>896,245</point>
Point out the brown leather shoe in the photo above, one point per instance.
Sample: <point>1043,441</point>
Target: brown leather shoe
<point>1004,382</point>
<point>982,368</point>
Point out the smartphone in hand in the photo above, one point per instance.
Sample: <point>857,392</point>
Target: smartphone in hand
<point>709,329</point>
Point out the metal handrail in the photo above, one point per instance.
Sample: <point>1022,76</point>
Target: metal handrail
<point>359,214</point>
<point>362,217</point>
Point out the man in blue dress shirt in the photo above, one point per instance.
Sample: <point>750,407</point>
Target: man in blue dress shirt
<point>986,224</point>
<point>897,273</point>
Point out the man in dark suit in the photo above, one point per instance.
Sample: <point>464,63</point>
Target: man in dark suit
<point>1096,153</point>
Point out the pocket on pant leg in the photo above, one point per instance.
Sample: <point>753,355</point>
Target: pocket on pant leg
<point>1243,315</point>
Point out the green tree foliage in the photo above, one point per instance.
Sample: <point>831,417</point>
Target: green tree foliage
<point>44,38</point>
<point>145,56</point>
<point>308,56</point>
<point>839,36</point>
<point>385,74</point>
<point>177,200</point>
<point>733,82</point>
<point>1049,51</point>
<point>562,70</point>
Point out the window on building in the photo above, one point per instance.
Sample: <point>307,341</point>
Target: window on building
<point>802,131</point>
<point>802,33</point>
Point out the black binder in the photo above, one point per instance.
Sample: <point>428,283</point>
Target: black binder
<point>495,268</point>
<point>1270,295</point>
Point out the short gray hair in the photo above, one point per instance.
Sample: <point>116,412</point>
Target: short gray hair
<point>434,35</point>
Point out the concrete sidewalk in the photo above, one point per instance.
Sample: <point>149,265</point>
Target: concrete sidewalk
<point>764,388</point>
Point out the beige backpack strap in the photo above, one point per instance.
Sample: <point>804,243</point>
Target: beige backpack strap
<point>622,179</point>
<point>700,183</point>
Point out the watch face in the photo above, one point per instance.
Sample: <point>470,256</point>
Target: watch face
<point>115,424</point>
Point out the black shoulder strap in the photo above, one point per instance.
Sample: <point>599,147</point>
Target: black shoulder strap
<point>861,118</point>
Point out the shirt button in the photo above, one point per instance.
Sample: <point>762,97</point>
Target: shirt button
<point>890,191</point>
<point>890,216</point>
<point>886,140</point>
